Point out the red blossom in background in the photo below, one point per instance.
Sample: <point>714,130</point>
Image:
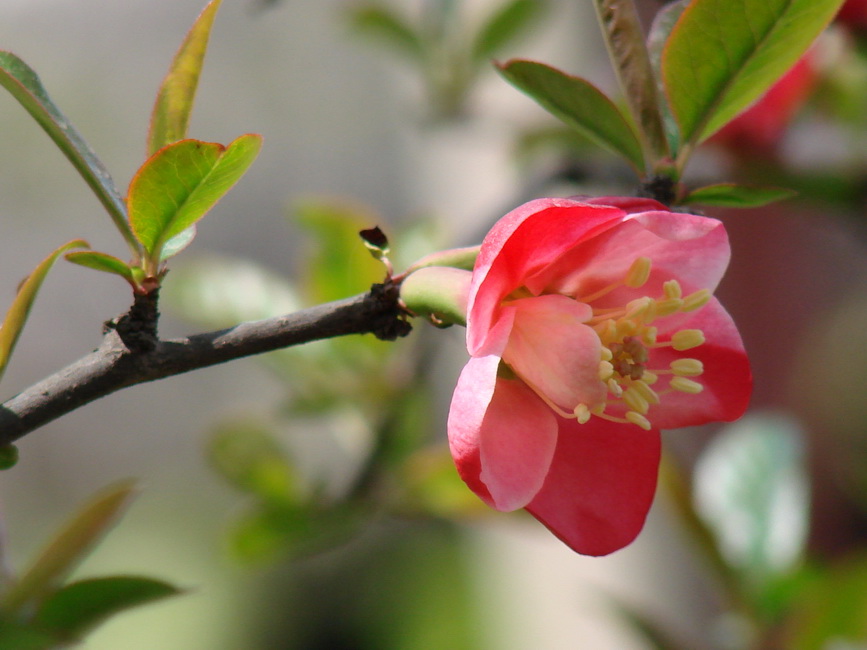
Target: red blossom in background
<point>853,14</point>
<point>591,325</point>
<point>759,129</point>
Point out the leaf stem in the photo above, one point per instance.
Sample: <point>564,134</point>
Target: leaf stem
<point>624,38</point>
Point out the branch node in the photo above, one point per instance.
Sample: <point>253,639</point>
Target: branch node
<point>138,327</point>
<point>390,321</point>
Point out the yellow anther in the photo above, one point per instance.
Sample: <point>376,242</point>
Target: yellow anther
<point>615,388</point>
<point>695,300</point>
<point>634,400</point>
<point>668,307</point>
<point>607,330</point>
<point>626,327</point>
<point>687,367</point>
<point>646,391</point>
<point>606,370</point>
<point>639,419</point>
<point>672,289</point>
<point>606,354</point>
<point>638,307</point>
<point>648,336</point>
<point>687,339</point>
<point>582,413</point>
<point>649,378</point>
<point>638,273</point>
<point>685,385</point>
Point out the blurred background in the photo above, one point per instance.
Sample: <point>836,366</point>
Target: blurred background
<point>306,499</point>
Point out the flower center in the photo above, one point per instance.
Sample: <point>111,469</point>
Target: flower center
<point>628,338</point>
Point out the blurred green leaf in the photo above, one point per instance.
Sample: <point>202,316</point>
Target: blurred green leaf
<point>17,314</point>
<point>388,28</point>
<point>832,611</point>
<point>8,457</point>
<point>340,265</point>
<point>182,181</point>
<point>579,104</point>
<point>722,55</point>
<point>509,21</point>
<point>248,457</point>
<point>751,488</point>
<point>24,85</point>
<point>69,547</point>
<point>77,608</point>
<point>174,104</point>
<point>736,196</point>
<point>432,486</point>
<point>15,635</point>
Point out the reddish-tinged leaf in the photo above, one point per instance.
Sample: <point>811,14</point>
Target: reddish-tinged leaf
<point>12,325</point>
<point>24,85</point>
<point>179,184</point>
<point>174,103</point>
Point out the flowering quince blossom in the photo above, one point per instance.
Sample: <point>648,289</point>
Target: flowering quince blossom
<point>591,325</point>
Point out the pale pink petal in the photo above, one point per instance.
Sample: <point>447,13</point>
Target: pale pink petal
<point>518,437</point>
<point>554,352</point>
<point>600,485</point>
<point>521,243</point>
<point>727,378</point>
<point>501,435</point>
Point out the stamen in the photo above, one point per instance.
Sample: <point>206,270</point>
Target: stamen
<point>668,307</point>
<point>582,413</point>
<point>615,388</point>
<point>638,273</point>
<point>685,385</point>
<point>648,336</point>
<point>649,378</point>
<point>606,370</point>
<point>687,339</point>
<point>639,419</point>
<point>687,367</point>
<point>634,400</point>
<point>646,391</point>
<point>696,300</point>
<point>606,354</point>
<point>672,289</point>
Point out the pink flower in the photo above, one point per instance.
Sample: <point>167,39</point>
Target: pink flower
<point>591,325</point>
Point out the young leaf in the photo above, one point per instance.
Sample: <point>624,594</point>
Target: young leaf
<point>174,103</point>
<point>69,547</point>
<point>79,607</point>
<point>24,85</point>
<point>506,24</point>
<point>579,104</point>
<point>388,28</point>
<point>660,29</point>
<point>12,325</point>
<point>736,196</point>
<point>103,262</point>
<point>180,183</point>
<point>724,54</point>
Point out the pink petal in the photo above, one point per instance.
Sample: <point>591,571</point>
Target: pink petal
<point>551,349</point>
<point>522,242</point>
<point>600,485</point>
<point>727,379</point>
<point>501,435</point>
<point>693,250</point>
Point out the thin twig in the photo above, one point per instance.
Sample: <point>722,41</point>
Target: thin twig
<point>114,365</point>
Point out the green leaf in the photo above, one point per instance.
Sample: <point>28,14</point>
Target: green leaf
<point>24,85</point>
<point>388,28</point>
<point>579,104</point>
<point>16,317</point>
<point>722,55</point>
<point>8,457</point>
<point>174,104</point>
<point>105,263</point>
<point>751,488</point>
<point>69,547</point>
<point>182,181</point>
<point>77,608</point>
<point>736,196</point>
<point>178,243</point>
<point>660,29</point>
<point>505,25</point>
<point>247,456</point>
